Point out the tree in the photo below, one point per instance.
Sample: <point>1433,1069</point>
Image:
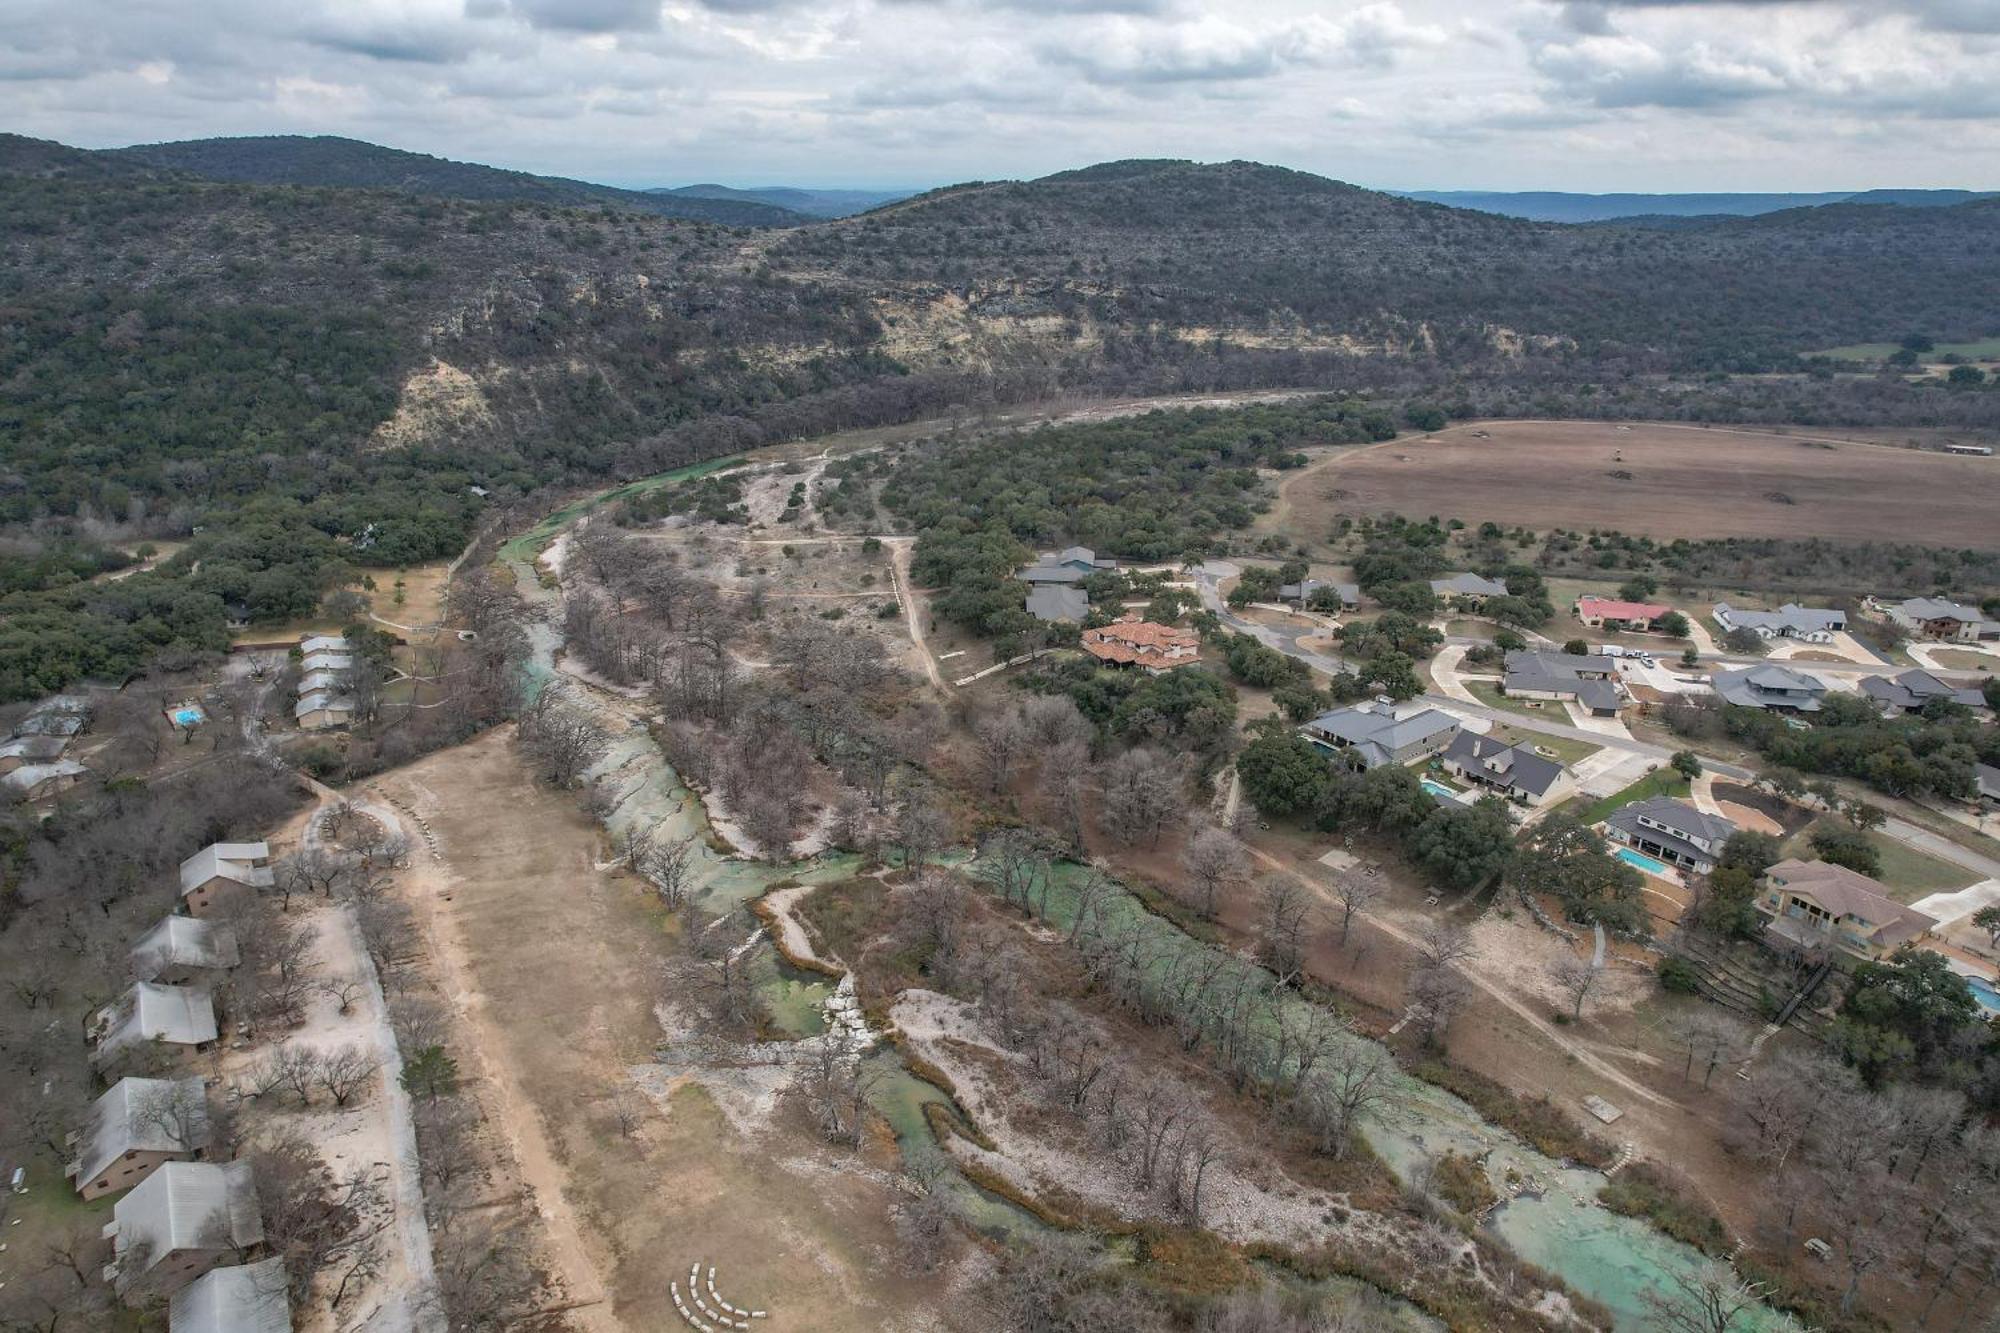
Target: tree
<point>1353,1080</point>
<point>1687,763</point>
<point>1676,626</point>
<point>562,738</point>
<point>1988,920</point>
<point>666,863</point>
<point>1690,657</point>
<point>430,1073</point>
<point>1283,774</point>
<point>1745,642</point>
<point>1357,893</point>
<point>1214,862</point>
<point>1438,993</point>
<point>1464,846</point>
<point>1575,978</point>
<point>1141,795</point>
<point>1710,1299</point>
<point>1965,377</point>
<point>1577,648</point>
<point>1847,847</point>
<point>1638,588</point>
<point>1284,917</point>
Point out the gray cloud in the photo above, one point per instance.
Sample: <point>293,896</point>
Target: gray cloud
<point>592,16</point>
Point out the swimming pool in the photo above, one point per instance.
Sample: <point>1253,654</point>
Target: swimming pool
<point>1439,790</point>
<point>187,717</point>
<point>1983,991</point>
<point>1642,862</point>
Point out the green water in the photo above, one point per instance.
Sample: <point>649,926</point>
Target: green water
<point>794,1000</point>
<point>530,543</point>
<point>899,1097</point>
<point>1612,1259</point>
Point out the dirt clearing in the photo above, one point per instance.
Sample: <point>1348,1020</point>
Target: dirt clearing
<point>1659,481</point>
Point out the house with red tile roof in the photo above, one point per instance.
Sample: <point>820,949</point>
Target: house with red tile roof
<point>1608,613</point>
<point>1141,643</point>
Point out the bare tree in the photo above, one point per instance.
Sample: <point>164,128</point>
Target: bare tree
<point>1284,917</point>
<point>1141,795</point>
<point>178,1109</point>
<point>1445,943</point>
<point>345,1071</point>
<point>1576,979</point>
<point>1438,994</point>
<point>922,830</point>
<point>1215,863</point>
<point>1357,893</point>
<point>343,991</point>
<point>1355,1080</point>
<point>667,863</point>
<point>312,871</point>
<point>561,737</point>
<point>1713,1298</point>
<point>1003,743</point>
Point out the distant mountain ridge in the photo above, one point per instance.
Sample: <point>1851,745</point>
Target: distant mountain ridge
<point>328,160</point>
<point>813,203</point>
<point>1563,206</point>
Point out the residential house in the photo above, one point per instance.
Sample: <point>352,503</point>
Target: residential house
<point>1590,679</point>
<point>1302,593</point>
<point>1814,905</point>
<point>1377,736</point>
<point>1151,648</point>
<point>1909,692</point>
<point>57,715</point>
<point>322,710</point>
<point>245,1298</point>
<point>324,643</point>
<point>1072,564</point>
<point>26,751</point>
<point>181,1221</point>
<point>328,664</point>
<point>182,949</point>
<point>1809,624</point>
<point>1936,618</point>
<point>1986,780</point>
<point>1513,771</point>
<point>1058,601</point>
<point>1468,590</point>
<point>147,1014</point>
<point>1608,613</point>
<point>40,782</point>
<point>1770,686</point>
<point>1671,831</point>
<point>134,1129</point>
<point>216,868</point>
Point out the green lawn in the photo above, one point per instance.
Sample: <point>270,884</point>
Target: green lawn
<point>1489,694</point>
<point>1662,781</point>
<point>1568,750</point>
<point>1906,873</point>
<point>1985,349</point>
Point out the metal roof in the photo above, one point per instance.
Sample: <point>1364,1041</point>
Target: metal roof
<point>236,861</point>
<point>189,1206</point>
<point>184,941</point>
<point>248,1298</point>
<point>142,1115</point>
<point>181,1015</point>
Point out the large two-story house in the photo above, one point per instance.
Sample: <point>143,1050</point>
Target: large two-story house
<point>1770,686</point>
<point>1671,831</point>
<point>1376,736</point>
<point>1814,905</point>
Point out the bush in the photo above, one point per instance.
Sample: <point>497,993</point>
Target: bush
<point>1679,976</point>
<point>1644,1191</point>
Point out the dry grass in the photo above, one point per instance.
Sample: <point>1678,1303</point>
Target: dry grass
<point>1684,482</point>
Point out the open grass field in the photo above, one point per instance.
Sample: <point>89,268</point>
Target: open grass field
<point>1657,480</point>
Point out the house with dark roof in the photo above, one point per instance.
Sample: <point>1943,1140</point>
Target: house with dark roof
<point>1770,686</point>
<point>135,1128</point>
<point>1809,624</point>
<point>1814,905</point>
<point>181,1221</point>
<point>1612,614</point>
<point>244,1298</point>
<point>1468,590</point>
<point>1348,594</point>
<point>1671,831</point>
<point>1072,564</point>
<point>1590,679</point>
<point>1513,771</point>
<point>41,782</point>
<point>1376,736</point>
<point>1909,692</point>
<point>1058,601</point>
<point>30,751</point>
<point>1937,618</point>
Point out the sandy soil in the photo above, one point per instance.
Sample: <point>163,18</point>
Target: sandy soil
<point>556,966</point>
<point>1686,482</point>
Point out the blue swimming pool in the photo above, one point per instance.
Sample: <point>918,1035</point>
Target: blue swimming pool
<point>1642,862</point>
<point>1439,790</point>
<point>1983,991</point>
<point>187,717</point>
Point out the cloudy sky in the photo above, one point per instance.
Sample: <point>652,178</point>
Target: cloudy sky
<point>1504,94</point>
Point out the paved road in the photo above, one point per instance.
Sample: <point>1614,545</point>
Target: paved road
<point>1287,641</point>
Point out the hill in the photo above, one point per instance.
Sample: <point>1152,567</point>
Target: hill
<point>812,203</point>
<point>1262,256</point>
<point>331,161</point>
<point>1559,206</point>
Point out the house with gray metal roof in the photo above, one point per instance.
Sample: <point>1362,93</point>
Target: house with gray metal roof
<point>39,782</point>
<point>1376,736</point>
<point>1072,564</point>
<point>1057,602</point>
<point>181,1221</point>
<point>1986,781</point>
<point>324,643</point>
<point>152,1014</point>
<point>323,709</point>
<point>221,866</point>
<point>1937,618</point>
<point>246,1298</point>
<point>1809,624</point>
<point>1909,692</point>
<point>1513,771</point>
<point>1770,686</point>
<point>182,949</point>
<point>1469,589</point>
<point>1588,678</point>
<point>136,1127</point>
<point>57,715</point>
<point>26,751</point>
<point>1302,593</point>
<point>1672,831</point>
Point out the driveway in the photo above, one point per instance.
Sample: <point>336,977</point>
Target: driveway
<point>1445,674</point>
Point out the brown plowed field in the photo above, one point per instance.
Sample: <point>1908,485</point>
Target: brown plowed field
<point>1684,481</point>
